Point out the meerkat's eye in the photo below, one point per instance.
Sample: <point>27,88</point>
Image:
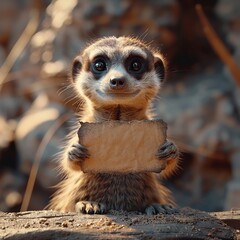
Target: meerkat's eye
<point>136,66</point>
<point>99,65</point>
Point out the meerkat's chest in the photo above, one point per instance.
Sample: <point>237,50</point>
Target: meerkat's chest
<point>119,192</point>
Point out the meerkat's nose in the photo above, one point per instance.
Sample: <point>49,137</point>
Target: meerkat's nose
<point>117,82</point>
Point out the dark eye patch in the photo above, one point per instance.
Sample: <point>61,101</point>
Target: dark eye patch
<point>136,66</point>
<point>99,66</point>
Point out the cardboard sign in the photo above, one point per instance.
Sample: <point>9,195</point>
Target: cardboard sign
<point>122,146</point>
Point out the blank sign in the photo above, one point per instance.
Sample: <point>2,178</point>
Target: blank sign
<point>122,146</point>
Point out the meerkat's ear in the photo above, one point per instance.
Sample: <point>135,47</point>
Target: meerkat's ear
<point>159,67</point>
<point>76,67</point>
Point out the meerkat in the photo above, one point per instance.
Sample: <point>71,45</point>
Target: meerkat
<point>117,78</point>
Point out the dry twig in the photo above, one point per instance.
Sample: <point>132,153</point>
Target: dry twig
<point>218,45</point>
<point>19,46</point>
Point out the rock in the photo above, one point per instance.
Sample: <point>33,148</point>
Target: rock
<point>12,106</point>
<point>186,224</point>
<point>2,56</point>
<point>6,133</point>
<point>228,9</point>
<point>31,130</point>
<point>233,195</point>
<point>8,152</point>
<point>11,189</point>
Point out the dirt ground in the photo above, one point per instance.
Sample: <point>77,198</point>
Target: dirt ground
<point>186,224</point>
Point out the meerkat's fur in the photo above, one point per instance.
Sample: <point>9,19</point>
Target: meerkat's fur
<point>117,78</point>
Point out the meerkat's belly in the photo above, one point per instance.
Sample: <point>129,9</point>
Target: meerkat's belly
<point>119,191</point>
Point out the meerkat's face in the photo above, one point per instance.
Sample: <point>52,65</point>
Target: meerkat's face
<point>115,71</point>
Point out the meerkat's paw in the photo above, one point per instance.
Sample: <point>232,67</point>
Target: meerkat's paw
<point>168,150</point>
<point>90,207</point>
<point>157,208</point>
<point>77,153</point>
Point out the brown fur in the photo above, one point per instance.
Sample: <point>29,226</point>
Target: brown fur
<point>128,192</point>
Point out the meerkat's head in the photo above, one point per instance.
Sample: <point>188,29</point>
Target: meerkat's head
<point>118,71</point>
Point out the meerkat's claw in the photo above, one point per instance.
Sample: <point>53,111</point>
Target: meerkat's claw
<point>167,151</point>
<point>78,153</point>
<point>88,207</point>
<point>157,208</point>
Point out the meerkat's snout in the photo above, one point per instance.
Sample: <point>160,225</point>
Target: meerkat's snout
<point>117,82</point>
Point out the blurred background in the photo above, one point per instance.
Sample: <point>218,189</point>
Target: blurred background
<point>200,100</point>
